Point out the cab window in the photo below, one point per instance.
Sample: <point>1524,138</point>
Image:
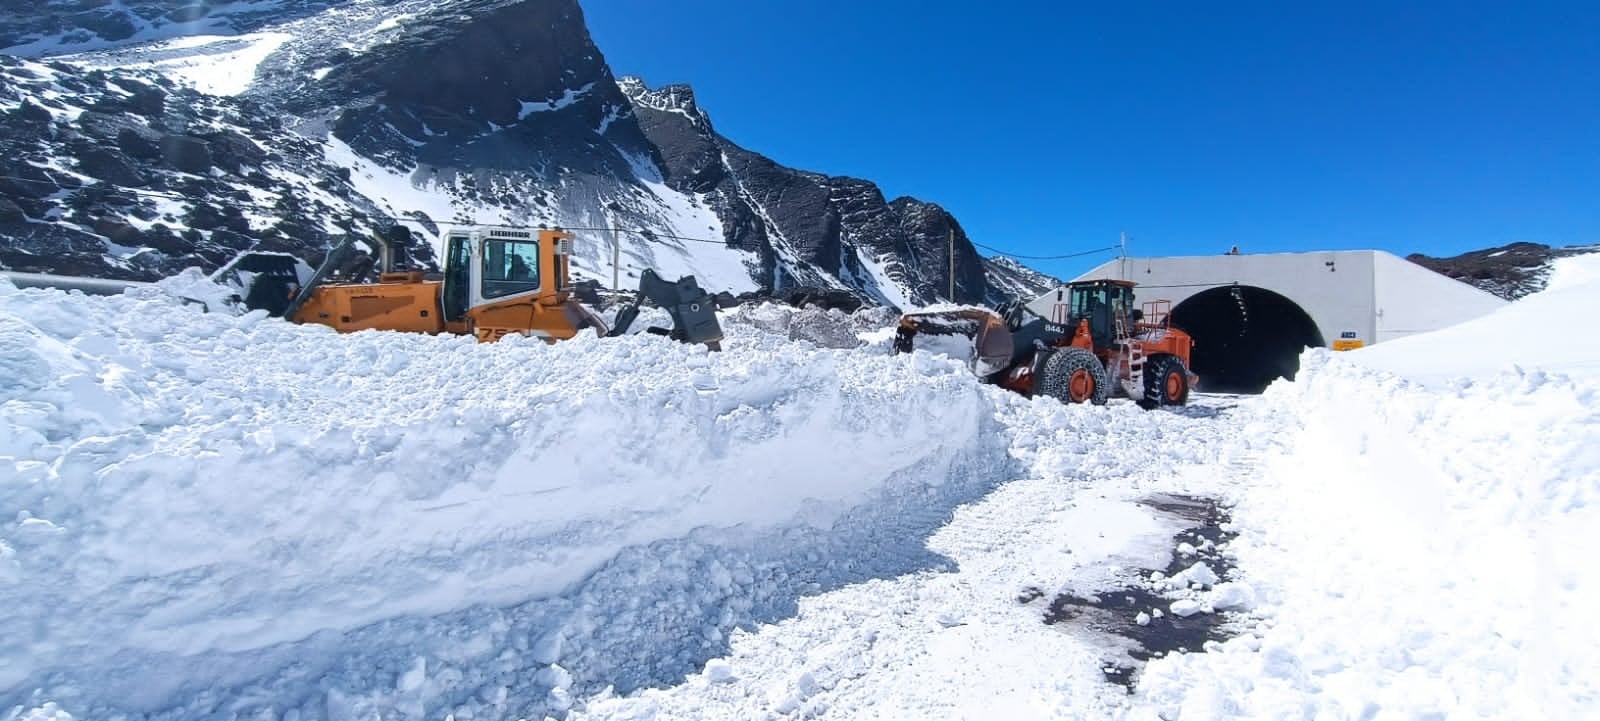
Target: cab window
<point>457,282</point>
<point>509,267</point>
<point>1086,298</point>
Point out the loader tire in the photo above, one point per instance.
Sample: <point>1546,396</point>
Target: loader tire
<point>1166,381</point>
<point>1074,375</point>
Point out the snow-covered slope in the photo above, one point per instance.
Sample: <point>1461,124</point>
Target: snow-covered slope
<point>130,175</point>
<point>1509,271</point>
<point>38,28</point>
<point>1010,279</point>
<point>1544,331</point>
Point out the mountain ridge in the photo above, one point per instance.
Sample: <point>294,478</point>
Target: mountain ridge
<point>414,101</point>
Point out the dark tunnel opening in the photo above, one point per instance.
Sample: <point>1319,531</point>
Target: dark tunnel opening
<point>1244,337</point>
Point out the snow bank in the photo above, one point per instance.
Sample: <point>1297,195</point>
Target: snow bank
<point>1546,330</point>
<point>381,521</point>
<point>868,328</point>
<point>1418,553</point>
<point>957,642</point>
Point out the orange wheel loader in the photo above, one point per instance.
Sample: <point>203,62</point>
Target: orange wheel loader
<point>1102,344</point>
<point>497,281</point>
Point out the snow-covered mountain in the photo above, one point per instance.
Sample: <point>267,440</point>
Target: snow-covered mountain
<point>1009,278</point>
<point>130,175</point>
<point>359,113</point>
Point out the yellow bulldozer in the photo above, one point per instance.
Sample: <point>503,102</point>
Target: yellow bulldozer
<point>497,281</point>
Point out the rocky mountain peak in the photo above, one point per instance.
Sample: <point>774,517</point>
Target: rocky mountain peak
<point>471,65</point>
<point>673,98</point>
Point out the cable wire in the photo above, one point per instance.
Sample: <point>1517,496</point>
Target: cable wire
<point>1043,257</point>
<point>647,234</point>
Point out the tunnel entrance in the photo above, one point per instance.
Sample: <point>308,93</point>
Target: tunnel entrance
<point>1245,337</point>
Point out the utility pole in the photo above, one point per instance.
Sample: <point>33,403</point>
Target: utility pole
<point>1124,264</point>
<point>952,264</point>
<point>614,210</point>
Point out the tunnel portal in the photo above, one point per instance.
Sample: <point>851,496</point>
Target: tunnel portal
<point>1245,337</point>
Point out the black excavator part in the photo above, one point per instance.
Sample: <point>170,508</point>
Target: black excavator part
<point>694,317</point>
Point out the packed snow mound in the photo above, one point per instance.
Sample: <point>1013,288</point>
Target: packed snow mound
<point>1543,331</point>
<point>1420,544</point>
<point>826,328</point>
<point>1422,552</point>
<point>200,499</point>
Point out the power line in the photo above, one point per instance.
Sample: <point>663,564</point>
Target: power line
<point>648,233</point>
<point>1044,257</point>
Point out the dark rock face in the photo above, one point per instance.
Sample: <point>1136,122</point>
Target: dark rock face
<point>186,153</point>
<point>110,165</point>
<point>479,62</point>
<point>34,27</point>
<point>119,193</point>
<point>1509,271</point>
<point>832,226</point>
<point>1009,280</point>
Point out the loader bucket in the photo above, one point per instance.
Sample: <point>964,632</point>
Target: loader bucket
<point>977,336</point>
<point>264,281</point>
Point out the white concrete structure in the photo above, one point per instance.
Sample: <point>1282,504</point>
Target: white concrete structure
<point>1368,296</point>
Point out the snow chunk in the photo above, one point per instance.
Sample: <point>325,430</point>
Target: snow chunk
<point>1185,607</point>
<point>1231,595</point>
<point>719,671</point>
<point>1199,573</point>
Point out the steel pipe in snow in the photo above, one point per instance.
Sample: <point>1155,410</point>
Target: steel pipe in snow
<point>90,286</point>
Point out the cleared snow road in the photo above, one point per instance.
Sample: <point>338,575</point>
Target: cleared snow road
<point>960,642</point>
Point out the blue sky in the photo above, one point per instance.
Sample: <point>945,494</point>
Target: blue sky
<point>1051,127</point>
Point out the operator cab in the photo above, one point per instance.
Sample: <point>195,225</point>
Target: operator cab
<point>486,264</point>
<point>1101,302</point>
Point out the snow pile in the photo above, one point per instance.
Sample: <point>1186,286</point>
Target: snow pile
<point>831,328</point>
<point>1419,553</point>
<point>389,522</point>
<point>1545,329</point>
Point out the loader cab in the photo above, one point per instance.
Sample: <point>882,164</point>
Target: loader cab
<point>490,264</point>
<point>1101,302</point>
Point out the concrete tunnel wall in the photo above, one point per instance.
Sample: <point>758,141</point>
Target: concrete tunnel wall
<point>1335,288</point>
<point>1360,295</point>
<point>1410,299</point>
